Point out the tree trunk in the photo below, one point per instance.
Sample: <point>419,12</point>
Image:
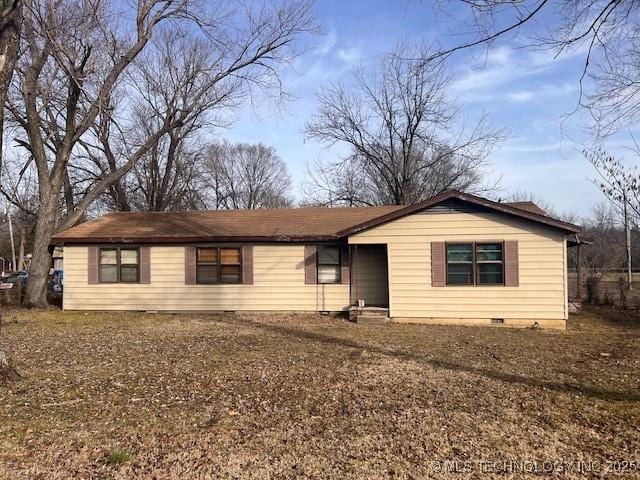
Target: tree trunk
<point>10,25</point>
<point>8,374</point>
<point>36,295</point>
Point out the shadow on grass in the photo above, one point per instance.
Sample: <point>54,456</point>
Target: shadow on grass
<point>614,316</point>
<point>440,363</point>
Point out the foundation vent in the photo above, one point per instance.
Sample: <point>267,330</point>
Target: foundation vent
<point>497,321</point>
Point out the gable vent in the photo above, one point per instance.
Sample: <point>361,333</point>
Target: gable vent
<point>453,205</point>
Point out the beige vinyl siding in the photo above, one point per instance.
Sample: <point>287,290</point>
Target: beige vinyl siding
<point>278,273</point>
<point>541,294</point>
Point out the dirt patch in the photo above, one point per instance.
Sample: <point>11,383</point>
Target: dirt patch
<point>112,395</point>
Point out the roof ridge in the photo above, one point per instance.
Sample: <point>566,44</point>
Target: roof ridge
<point>229,210</point>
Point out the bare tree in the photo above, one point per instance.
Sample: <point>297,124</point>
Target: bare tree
<point>401,130</point>
<point>75,56</point>
<point>607,31</point>
<point>619,182</point>
<point>10,29</point>
<point>606,252</point>
<point>165,177</point>
<point>246,176</point>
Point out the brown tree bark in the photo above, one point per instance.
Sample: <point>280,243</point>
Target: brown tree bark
<point>10,24</point>
<point>36,295</point>
<point>8,373</point>
<point>10,16</point>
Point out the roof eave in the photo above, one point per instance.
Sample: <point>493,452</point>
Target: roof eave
<point>57,240</point>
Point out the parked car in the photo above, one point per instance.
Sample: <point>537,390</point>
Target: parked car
<point>9,281</point>
<point>56,283</point>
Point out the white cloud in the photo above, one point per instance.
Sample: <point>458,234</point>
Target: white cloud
<point>490,77</point>
<point>521,96</point>
<point>328,43</point>
<point>350,56</point>
<point>499,56</point>
<point>543,91</point>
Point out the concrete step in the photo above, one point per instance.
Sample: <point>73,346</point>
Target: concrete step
<point>355,312</point>
<point>371,320</point>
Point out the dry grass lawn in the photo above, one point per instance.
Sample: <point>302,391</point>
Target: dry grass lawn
<point>112,395</point>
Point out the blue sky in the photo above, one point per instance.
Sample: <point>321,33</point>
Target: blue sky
<point>527,92</point>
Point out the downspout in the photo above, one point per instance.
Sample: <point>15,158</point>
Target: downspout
<point>578,268</point>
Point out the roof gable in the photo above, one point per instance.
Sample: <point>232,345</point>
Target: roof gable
<point>484,204</point>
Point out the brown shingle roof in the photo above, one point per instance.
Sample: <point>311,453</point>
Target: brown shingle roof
<point>286,224</point>
<point>278,225</point>
<point>528,207</point>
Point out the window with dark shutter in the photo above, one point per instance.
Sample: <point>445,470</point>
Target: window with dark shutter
<point>475,263</point>
<point>218,265</point>
<point>119,265</point>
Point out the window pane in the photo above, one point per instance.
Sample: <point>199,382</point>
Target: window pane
<point>208,255</point>
<point>490,273</point>
<point>230,274</point>
<point>207,274</point>
<point>108,273</point>
<point>230,256</point>
<point>128,256</point>
<point>328,273</point>
<point>108,256</point>
<point>328,255</point>
<point>129,273</point>
<point>460,252</point>
<point>489,252</point>
<point>460,274</point>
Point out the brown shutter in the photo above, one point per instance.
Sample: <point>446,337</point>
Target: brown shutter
<point>310,269</point>
<point>438,264</point>
<point>344,265</point>
<point>190,265</point>
<point>247,264</point>
<point>511,270</point>
<point>145,265</point>
<point>92,266</point>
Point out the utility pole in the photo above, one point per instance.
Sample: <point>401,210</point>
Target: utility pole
<point>627,230</point>
<point>7,212</point>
